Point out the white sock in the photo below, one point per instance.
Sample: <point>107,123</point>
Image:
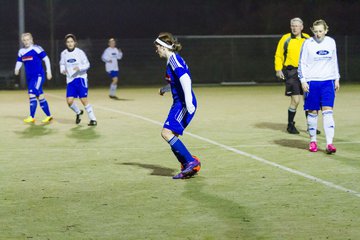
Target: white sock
<point>312,126</point>
<point>75,108</point>
<point>329,125</point>
<point>113,88</point>
<point>90,112</point>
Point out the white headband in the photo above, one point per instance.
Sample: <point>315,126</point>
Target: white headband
<point>164,44</point>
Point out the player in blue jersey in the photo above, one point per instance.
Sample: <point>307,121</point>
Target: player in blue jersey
<point>184,102</point>
<point>74,64</point>
<point>319,76</point>
<point>32,56</point>
<point>110,57</point>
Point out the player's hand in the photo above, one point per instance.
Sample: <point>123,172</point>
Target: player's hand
<point>305,86</point>
<point>280,75</point>
<point>190,108</point>
<point>48,75</point>
<point>337,85</point>
<point>16,72</point>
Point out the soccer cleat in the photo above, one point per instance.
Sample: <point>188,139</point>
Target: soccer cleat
<point>179,176</point>
<point>92,123</point>
<point>29,120</point>
<point>47,119</point>
<point>191,168</point>
<point>313,147</point>
<point>330,148</point>
<point>318,132</point>
<point>291,128</point>
<point>78,117</point>
<point>196,169</point>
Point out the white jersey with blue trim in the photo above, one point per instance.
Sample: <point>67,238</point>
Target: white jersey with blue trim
<point>111,57</point>
<point>318,60</point>
<point>32,58</point>
<point>72,59</point>
<point>175,69</point>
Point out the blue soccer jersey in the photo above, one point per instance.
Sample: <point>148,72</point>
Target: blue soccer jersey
<point>32,58</point>
<point>175,69</point>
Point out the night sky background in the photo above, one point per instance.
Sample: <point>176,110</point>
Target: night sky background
<point>101,19</point>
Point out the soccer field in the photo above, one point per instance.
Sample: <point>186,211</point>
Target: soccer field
<point>113,181</point>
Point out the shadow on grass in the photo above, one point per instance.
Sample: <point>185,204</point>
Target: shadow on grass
<point>83,133</point>
<point>238,222</point>
<point>156,169</point>
<point>122,99</point>
<point>270,125</point>
<point>33,131</point>
<point>292,143</point>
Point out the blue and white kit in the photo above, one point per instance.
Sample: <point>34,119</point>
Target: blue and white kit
<point>111,56</point>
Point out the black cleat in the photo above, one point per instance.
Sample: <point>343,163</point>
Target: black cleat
<point>318,132</point>
<point>292,129</point>
<point>78,117</point>
<point>92,123</point>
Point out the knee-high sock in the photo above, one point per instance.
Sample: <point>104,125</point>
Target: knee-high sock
<point>45,107</point>
<point>291,115</point>
<point>179,157</point>
<point>33,105</point>
<point>113,88</point>
<point>75,108</point>
<point>90,112</point>
<point>312,126</point>
<point>329,125</point>
<point>180,149</point>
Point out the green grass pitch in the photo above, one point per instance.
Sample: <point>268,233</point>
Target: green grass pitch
<point>113,181</point>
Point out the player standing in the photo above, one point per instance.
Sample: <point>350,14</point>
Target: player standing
<point>319,75</point>
<point>286,64</point>
<point>111,56</point>
<point>184,102</point>
<point>32,56</point>
<point>74,64</point>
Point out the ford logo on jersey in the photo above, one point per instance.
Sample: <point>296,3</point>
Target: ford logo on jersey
<point>322,52</point>
<point>71,60</point>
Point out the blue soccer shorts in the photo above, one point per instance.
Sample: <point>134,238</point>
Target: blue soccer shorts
<point>178,118</point>
<point>113,74</point>
<point>77,88</point>
<point>35,84</point>
<point>321,94</point>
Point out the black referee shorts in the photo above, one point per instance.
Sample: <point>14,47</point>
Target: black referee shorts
<point>292,82</point>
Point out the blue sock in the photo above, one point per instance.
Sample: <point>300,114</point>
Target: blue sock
<point>33,105</point>
<point>45,107</point>
<point>179,158</point>
<point>180,149</point>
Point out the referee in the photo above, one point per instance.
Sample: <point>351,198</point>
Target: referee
<point>286,63</point>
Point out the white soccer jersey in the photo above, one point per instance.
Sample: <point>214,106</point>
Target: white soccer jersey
<point>318,60</point>
<point>71,59</point>
<point>111,57</point>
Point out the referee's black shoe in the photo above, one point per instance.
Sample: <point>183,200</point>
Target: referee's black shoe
<point>291,128</point>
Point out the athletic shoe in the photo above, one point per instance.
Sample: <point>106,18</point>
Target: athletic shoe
<point>330,148</point>
<point>292,129</point>
<point>92,123</point>
<point>191,168</point>
<point>78,117</point>
<point>179,176</point>
<point>313,147</point>
<point>47,119</point>
<point>318,132</point>
<point>29,119</point>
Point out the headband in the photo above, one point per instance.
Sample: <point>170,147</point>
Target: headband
<point>164,44</point>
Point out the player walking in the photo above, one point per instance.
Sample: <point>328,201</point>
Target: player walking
<point>32,56</point>
<point>74,64</point>
<point>111,56</point>
<point>319,75</point>
<point>184,102</point>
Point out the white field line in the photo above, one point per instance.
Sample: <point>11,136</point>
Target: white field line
<point>254,157</point>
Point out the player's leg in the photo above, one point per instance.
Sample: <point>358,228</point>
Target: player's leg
<point>113,85</point>
<point>33,106</point>
<point>294,103</point>
<point>45,107</point>
<point>89,110</point>
<point>71,94</point>
<point>327,101</point>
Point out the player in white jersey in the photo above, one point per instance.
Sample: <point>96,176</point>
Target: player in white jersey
<point>319,76</point>
<point>74,64</point>
<point>32,56</point>
<point>111,56</point>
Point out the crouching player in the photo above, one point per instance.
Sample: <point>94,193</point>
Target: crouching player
<point>184,103</point>
<point>74,64</point>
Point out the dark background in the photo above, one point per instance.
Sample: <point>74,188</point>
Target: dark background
<point>146,18</point>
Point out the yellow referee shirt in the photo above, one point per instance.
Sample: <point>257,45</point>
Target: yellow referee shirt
<point>288,50</point>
